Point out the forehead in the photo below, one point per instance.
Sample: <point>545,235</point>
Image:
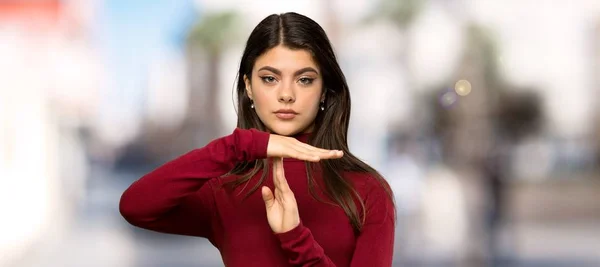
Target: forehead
<point>285,59</point>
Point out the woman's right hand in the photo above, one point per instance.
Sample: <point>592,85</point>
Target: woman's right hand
<point>289,147</point>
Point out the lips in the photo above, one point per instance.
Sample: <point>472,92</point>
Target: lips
<point>286,114</point>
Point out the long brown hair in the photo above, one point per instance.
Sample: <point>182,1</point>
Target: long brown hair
<point>296,31</point>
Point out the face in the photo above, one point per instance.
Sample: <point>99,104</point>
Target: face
<point>286,88</point>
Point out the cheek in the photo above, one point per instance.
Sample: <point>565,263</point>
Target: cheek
<point>263,103</point>
<point>314,106</point>
<point>260,96</point>
<point>314,100</point>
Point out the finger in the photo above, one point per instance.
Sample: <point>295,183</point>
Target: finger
<point>313,148</point>
<point>329,154</point>
<point>275,171</point>
<point>316,149</point>
<point>307,150</point>
<point>320,152</point>
<point>267,196</point>
<point>283,185</point>
<point>301,153</point>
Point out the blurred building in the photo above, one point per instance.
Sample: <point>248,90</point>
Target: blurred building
<point>47,90</point>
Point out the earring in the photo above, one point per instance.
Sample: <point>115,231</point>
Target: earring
<point>322,105</point>
<point>252,105</point>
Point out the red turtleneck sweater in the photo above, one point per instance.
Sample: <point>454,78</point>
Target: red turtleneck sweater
<point>184,197</point>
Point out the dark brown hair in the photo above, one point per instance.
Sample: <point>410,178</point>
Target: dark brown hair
<point>296,31</point>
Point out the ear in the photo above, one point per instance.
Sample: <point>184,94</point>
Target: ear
<point>248,87</point>
<point>322,96</point>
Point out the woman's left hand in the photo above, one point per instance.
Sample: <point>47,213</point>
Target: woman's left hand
<point>282,210</point>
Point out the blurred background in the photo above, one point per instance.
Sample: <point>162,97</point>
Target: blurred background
<point>481,114</point>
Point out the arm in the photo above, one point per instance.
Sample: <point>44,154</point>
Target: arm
<point>173,198</point>
<point>374,245</point>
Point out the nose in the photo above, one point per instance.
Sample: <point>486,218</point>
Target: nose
<point>286,95</point>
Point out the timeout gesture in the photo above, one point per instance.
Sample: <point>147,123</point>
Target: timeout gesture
<point>282,209</point>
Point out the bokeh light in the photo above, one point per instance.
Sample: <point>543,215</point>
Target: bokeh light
<point>448,98</point>
<point>462,87</point>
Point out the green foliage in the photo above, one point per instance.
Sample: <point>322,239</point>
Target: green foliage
<point>400,12</point>
<point>215,31</point>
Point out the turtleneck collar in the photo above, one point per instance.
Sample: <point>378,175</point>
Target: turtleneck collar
<point>302,137</point>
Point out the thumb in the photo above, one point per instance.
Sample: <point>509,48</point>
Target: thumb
<point>267,196</point>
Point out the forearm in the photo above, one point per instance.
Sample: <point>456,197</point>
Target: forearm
<point>163,189</point>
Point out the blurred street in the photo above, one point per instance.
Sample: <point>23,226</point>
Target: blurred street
<point>99,236</point>
<point>535,237</point>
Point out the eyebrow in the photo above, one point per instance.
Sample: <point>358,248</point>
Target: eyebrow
<point>298,72</point>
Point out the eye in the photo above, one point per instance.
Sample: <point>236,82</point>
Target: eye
<point>306,81</point>
<point>268,79</point>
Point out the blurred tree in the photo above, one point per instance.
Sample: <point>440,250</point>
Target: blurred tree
<point>206,43</point>
<point>401,13</point>
<point>478,127</point>
<point>469,124</point>
<point>464,121</point>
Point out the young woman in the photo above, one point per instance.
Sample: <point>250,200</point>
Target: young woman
<point>282,189</point>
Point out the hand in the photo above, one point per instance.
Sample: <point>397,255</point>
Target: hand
<point>282,210</point>
<point>288,147</point>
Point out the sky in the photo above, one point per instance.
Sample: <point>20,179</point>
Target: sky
<point>130,35</point>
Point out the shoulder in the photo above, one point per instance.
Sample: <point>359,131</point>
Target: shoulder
<point>367,181</point>
<point>370,186</point>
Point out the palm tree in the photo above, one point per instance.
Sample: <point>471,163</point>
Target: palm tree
<point>478,131</point>
<point>401,14</point>
<point>207,42</point>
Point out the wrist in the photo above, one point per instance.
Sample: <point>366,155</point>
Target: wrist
<point>290,232</point>
<point>287,228</point>
<point>260,142</point>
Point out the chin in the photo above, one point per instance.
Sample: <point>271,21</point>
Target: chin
<point>286,129</point>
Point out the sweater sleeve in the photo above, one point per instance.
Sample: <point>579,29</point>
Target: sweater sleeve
<point>173,198</point>
<point>374,245</point>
